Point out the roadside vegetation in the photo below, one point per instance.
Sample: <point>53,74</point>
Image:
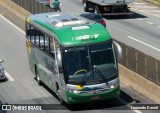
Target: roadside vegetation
<point>157,2</point>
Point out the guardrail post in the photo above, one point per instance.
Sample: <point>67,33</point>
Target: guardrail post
<point>21,3</point>
<point>32,5</point>
<point>156,71</point>
<point>145,66</point>
<point>48,9</point>
<point>136,60</point>
<point>126,56</point>
<point>25,6</point>
<point>44,9</point>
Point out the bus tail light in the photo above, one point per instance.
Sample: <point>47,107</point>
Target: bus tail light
<point>103,22</point>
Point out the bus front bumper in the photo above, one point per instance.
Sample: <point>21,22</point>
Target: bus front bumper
<point>82,98</point>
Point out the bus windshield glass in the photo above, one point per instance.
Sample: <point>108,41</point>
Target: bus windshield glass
<point>90,64</point>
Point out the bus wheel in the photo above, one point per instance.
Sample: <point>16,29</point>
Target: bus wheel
<point>96,10</point>
<point>86,8</point>
<point>59,96</point>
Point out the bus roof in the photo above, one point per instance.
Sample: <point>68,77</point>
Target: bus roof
<point>69,29</point>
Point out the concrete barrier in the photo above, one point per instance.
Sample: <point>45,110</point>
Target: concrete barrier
<point>16,9</point>
<point>127,77</point>
<point>139,83</point>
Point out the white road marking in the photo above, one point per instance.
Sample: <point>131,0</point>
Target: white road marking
<point>139,3</point>
<point>139,18</point>
<point>149,22</point>
<point>144,43</point>
<point>145,12</point>
<point>146,21</point>
<point>144,7</point>
<point>12,24</point>
<point>8,76</point>
<point>157,15</point>
<point>158,26</point>
<point>137,111</point>
<point>151,11</point>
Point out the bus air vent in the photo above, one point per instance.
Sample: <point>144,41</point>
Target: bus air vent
<point>68,22</point>
<point>80,27</point>
<point>54,15</point>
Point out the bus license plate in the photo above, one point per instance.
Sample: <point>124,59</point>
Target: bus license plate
<point>95,97</point>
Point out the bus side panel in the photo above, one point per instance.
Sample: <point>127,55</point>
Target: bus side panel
<point>31,57</point>
<point>45,65</point>
<point>62,85</point>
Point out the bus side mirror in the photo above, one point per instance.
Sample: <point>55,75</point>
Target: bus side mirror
<point>59,58</point>
<point>118,50</point>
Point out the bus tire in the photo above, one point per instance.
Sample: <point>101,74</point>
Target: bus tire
<point>86,9</point>
<point>59,95</point>
<point>96,10</point>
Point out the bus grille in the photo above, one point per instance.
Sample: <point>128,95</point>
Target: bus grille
<point>93,91</point>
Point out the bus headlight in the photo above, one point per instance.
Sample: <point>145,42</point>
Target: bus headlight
<point>114,83</point>
<point>112,86</point>
<point>71,90</point>
<point>75,91</point>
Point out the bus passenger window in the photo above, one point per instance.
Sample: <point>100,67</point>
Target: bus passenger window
<point>57,46</point>
<point>41,42</point>
<point>32,40</point>
<point>36,37</point>
<point>52,47</point>
<point>32,35</point>
<point>47,39</point>
<point>28,34</point>
<point>37,41</point>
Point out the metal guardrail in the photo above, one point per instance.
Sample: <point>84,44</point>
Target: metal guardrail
<point>33,6</point>
<point>146,66</point>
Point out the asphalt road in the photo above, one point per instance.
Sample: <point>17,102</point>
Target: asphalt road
<point>140,30</point>
<point>22,88</point>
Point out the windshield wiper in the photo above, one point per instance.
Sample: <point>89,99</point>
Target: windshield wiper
<point>92,72</point>
<point>83,80</point>
<point>95,70</point>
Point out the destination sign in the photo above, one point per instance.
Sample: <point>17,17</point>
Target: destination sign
<point>74,49</point>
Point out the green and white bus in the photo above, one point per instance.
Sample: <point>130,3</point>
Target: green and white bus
<point>73,56</point>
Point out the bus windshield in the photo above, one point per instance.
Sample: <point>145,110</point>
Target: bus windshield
<point>90,64</point>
